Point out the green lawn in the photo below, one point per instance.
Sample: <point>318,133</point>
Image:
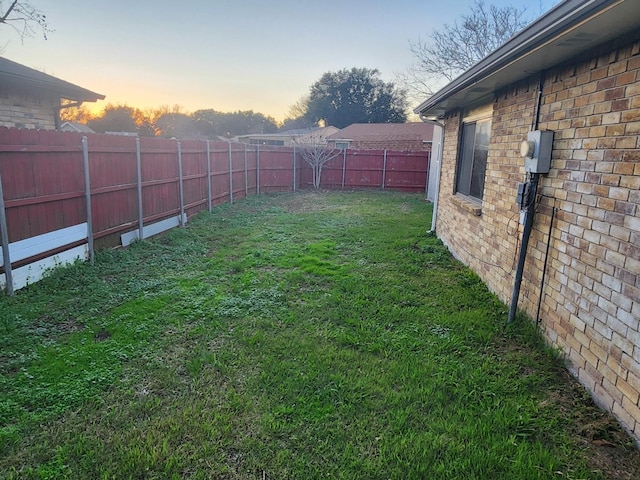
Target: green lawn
<point>302,336</point>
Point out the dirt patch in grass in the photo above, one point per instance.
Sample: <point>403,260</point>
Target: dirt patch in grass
<point>311,202</point>
<point>611,450</point>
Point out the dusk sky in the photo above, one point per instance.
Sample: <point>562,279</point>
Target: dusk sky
<point>227,54</point>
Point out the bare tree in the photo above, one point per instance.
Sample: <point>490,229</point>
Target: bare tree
<point>314,149</point>
<point>25,19</point>
<point>456,48</point>
<point>299,108</point>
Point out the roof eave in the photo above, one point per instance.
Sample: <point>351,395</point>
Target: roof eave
<point>559,20</point>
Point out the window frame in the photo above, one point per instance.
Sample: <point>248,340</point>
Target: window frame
<point>470,152</point>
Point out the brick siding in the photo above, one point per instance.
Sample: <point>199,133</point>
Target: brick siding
<point>591,300</point>
<point>22,112</point>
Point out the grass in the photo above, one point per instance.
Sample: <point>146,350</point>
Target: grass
<point>310,335</point>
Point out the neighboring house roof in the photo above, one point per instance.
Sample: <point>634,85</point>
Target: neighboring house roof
<point>18,77</point>
<point>566,31</point>
<point>75,127</point>
<point>289,135</point>
<point>384,132</point>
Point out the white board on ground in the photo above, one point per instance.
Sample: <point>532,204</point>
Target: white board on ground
<point>34,272</point>
<point>32,246</point>
<point>152,229</point>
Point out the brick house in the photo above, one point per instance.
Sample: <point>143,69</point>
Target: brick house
<point>415,136</point>
<point>575,72</point>
<point>32,99</point>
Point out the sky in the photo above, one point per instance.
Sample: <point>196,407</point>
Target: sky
<point>228,55</point>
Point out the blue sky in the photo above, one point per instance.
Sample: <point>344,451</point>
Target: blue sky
<point>224,54</point>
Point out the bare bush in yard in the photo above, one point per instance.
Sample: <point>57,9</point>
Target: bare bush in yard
<point>314,149</point>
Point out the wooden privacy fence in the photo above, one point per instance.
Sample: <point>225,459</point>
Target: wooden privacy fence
<point>63,194</point>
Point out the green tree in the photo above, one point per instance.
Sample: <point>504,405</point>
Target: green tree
<point>122,118</point>
<point>211,123</point>
<point>355,96</point>
<point>176,125</point>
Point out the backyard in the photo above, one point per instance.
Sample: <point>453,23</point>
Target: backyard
<point>299,335</point>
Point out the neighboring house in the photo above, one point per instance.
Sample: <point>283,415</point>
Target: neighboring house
<point>574,72</point>
<point>413,137</point>
<point>288,137</point>
<point>32,99</point>
<point>75,127</point>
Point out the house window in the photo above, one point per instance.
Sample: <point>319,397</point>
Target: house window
<point>474,148</point>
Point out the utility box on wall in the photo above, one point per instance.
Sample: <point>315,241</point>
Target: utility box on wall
<point>536,151</point>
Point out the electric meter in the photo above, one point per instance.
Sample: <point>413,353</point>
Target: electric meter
<point>536,150</point>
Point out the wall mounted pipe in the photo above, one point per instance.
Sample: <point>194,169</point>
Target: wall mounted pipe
<point>522,257</point>
<point>529,213</point>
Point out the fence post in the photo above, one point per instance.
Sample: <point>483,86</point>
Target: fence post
<point>209,175</point>
<point>87,196</point>
<point>258,169</point>
<point>139,173</point>
<point>180,186</point>
<point>4,237</point>
<point>384,168</point>
<point>294,168</point>
<point>246,173</point>
<point>344,165</point>
<point>230,176</point>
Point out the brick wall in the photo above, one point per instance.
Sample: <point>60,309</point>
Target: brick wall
<point>591,301</point>
<point>23,112</point>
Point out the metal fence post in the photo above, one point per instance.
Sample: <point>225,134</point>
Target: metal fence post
<point>258,169</point>
<point>384,168</point>
<point>4,237</point>
<point>246,173</point>
<point>294,168</point>
<point>139,173</point>
<point>87,196</point>
<point>230,175</point>
<point>344,166</point>
<point>209,194</point>
<point>180,186</point>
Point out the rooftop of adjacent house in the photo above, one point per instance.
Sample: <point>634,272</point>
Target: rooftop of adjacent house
<point>569,30</point>
<point>368,132</point>
<point>17,76</point>
<point>291,133</point>
<point>76,127</point>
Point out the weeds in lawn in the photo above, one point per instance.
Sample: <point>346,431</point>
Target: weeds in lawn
<point>311,335</point>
